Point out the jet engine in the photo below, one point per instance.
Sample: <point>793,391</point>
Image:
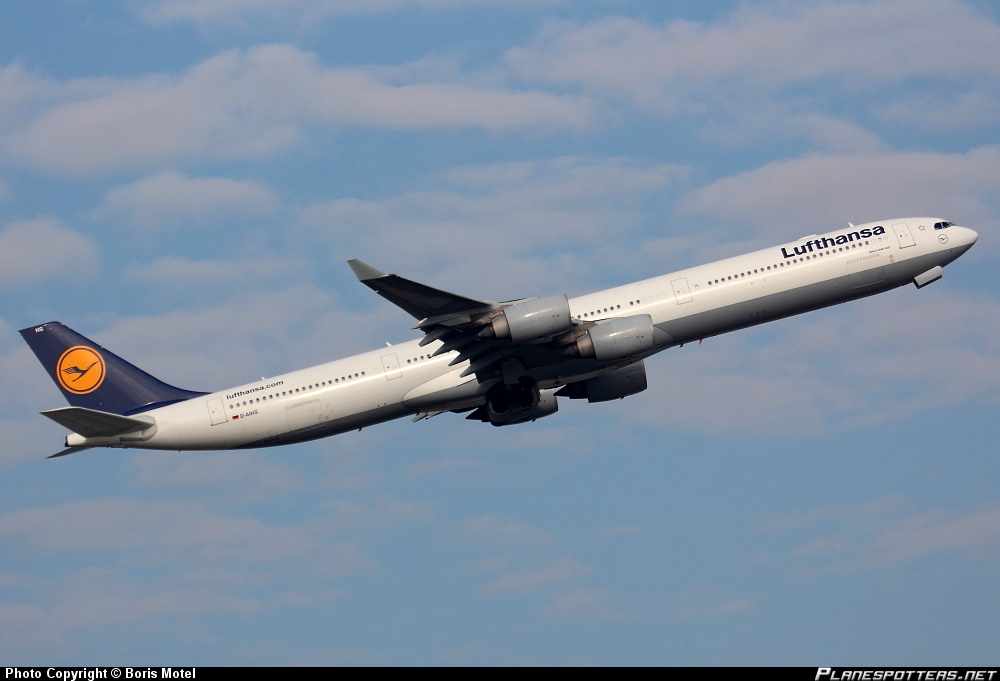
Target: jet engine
<point>617,338</point>
<point>533,319</point>
<point>613,385</point>
<point>510,404</point>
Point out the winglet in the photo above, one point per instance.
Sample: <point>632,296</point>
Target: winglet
<point>363,271</point>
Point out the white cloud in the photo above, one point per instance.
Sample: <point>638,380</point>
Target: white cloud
<point>178,273</point>
<point>765,47</point>
<point>171,198</point>
<point>159,531</point>
<point>242,476</point>
<point>869,362</point>
<point>864,512</point>
<point>346,515</point>
<point>977,533</point>
<point>103,599</point>
<point>932,112</point>
<point>30,438</point>
<point>523,581</point>
<point>32,251</point>
<point>112,602</point>
<point>566,205</point>
<point>21,91</point>
<point>707,601</point>
<point>615,530</point>
<point>256,103</point>
<point>193,549</point>
<point>266,333</point>
<point>883,533</point>
<point>422,468</point>
<point>763,72</point>
<point>817,192</point>
<point>25,627</point>
<point>491,529</point>
<point>589,603</point>
<point>729,607</point>
<point>301,12</point>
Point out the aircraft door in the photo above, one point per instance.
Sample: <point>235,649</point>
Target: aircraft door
<point>215,411</point>
<point>681,290</point>
<point>391,366</point>
<point>903,234</point>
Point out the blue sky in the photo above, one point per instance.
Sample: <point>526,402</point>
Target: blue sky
<point>182,180</point>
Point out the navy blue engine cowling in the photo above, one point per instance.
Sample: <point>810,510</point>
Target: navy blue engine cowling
<point>90,376</point>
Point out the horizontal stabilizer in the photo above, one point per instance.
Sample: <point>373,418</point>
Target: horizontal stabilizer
<point>93,423</point>
<point>420,301</point>
<point>71,450</point>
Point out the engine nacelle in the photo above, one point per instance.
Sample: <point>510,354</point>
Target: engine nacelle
<point>613,385</point>
<point>617,338</point>
<point>533,319</point>
<point>546,405</point>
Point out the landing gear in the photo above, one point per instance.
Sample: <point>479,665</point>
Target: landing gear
<point>510,403</point>
<point>503,399</point>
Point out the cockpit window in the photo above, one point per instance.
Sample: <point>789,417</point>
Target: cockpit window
<point>943,225</point>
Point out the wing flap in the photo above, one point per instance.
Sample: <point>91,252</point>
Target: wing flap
<point>94,423</point>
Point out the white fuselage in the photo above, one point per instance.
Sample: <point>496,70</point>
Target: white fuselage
<point>690,304</point>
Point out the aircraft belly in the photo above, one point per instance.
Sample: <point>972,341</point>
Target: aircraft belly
<point>332,427</point>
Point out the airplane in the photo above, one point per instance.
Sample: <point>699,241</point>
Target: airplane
<point>502,363</point>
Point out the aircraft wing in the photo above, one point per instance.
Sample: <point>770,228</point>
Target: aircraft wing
<point>469,326</point>
<point>420,301</point>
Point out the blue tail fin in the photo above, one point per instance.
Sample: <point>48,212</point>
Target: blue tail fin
<point>90,376</point>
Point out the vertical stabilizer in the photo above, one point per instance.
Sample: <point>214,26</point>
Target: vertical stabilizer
<point>91,377</point>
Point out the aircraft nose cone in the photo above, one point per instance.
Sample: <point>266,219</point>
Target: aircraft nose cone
<point>973,236</point>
